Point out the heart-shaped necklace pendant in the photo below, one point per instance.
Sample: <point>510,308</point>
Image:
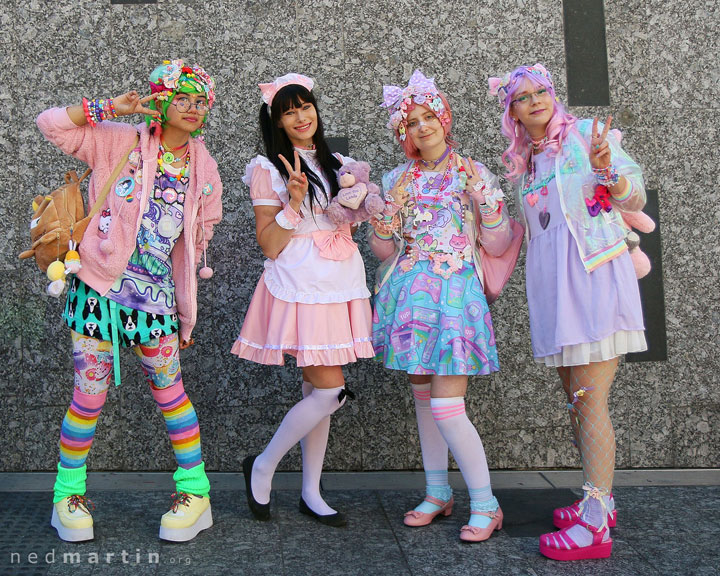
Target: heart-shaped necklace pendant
<point>532,198</point>
<point>544,218</point>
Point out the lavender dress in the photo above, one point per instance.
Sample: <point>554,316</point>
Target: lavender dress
<point>576,317</point>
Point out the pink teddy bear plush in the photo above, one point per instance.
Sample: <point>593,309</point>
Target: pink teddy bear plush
<point>642,222</point>
<point>358,199</point>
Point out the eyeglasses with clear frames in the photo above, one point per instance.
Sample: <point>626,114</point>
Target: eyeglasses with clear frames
<point>185,105</point>
<point>525,98</point>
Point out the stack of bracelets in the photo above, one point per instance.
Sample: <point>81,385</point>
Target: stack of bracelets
<point>98,110</point>
<point>607,176</point>
<point>386,224</point>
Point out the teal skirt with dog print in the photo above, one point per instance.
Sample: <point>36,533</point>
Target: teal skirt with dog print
<point>88,313</point>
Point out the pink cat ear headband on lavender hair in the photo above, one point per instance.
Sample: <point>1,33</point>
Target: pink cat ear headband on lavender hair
<point>420,90</point>
<point>271,88</point>
<point>500,87</point>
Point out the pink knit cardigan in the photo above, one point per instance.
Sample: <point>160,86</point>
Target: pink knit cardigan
<point>102,147</point>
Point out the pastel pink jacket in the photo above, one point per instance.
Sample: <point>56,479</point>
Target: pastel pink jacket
<point>102,147</point>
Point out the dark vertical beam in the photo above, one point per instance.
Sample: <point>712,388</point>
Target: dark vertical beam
<point>586,53</point>
<point>651,290</point>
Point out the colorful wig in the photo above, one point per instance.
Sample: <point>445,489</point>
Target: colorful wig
<point>176,78</point>
<point>561,122</point>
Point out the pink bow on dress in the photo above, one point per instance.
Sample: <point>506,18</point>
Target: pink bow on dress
<point>335,244</point>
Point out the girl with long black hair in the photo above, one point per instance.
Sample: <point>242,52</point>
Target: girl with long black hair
<point>311,301</point>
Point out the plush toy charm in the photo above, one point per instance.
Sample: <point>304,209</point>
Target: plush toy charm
<point>642,222</point>
<point>358,199</point>
<point>56,275</point>
<point>72,259</point>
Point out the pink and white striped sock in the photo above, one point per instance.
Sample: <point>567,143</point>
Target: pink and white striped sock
<point>463,439</point>
<point>434,450</point>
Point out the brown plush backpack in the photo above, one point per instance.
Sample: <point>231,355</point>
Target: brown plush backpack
<point>58,218</point>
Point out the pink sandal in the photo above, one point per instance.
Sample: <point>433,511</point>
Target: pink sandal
<point>475,533</point>
<point>567,515</point>
<point>416,518</point>
<point>559,546</point>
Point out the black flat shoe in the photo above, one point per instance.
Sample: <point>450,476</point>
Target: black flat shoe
<point>260,511</point>
<point>336,520</point>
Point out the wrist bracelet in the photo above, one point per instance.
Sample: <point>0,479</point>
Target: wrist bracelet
<point>607,176</point>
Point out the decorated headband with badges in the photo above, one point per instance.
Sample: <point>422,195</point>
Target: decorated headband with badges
<point>420,90</point>
<point>501,87</point>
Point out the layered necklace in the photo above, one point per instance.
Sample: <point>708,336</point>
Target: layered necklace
<point>167,156</point>
<point>531,186</point>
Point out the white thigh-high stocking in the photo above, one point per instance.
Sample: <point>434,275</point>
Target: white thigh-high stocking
<point>314,445</point>
<point>434,451</point>
<point>467,448</point>
<point>298,422</point>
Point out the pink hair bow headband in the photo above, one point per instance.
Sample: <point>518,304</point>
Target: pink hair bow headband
<point>500,87</point>
<point>420,90</point>
<point>271,88</point>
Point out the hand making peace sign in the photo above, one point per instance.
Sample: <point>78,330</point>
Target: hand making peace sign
<point>297,185</point>
<point>400,192</point>
<point>599,147</point>
<point>474,185</point>
<point>131,103</point>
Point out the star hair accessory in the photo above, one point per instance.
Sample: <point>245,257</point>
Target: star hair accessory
<point>420,90</point>
<point>500,87</point>
<point>271,88</point>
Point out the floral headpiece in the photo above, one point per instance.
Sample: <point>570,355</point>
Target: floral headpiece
<point>420,90</point>
<point>500,87</point>
<point>271,88</point>
<point>176,77</point>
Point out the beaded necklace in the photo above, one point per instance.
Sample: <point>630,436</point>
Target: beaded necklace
<point>530,187</point>
<point>164,159</point>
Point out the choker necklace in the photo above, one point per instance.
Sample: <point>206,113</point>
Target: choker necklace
<point>435,163</point>
<point>168,154</point>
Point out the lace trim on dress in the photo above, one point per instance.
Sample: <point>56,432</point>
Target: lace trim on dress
<point>278,183</point>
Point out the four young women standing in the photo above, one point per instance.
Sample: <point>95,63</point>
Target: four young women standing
<point>444,218</point>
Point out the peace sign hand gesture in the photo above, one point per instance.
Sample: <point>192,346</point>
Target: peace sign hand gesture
<point>297,185</point>
<point>131,103</point>
<point>474,186</point>
<point>399,192</point>
<point>599,147</point>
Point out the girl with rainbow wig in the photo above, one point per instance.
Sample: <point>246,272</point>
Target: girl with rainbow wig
<point>444,219</point>
<point>573,180</point>
<point>136,283</point>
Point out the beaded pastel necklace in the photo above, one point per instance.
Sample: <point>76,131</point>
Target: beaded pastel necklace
<point>164,158</point>
<point>530,186</point>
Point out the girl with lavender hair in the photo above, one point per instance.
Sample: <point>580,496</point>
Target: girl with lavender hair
<point>573,180</point>
<point>444,217</point>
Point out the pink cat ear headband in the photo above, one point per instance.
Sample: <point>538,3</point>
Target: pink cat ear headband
<point>420,90</point>
<point>500,87</point>
<point>271,88</point>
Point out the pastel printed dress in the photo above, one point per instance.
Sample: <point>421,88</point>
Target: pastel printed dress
<point>309,303</point>
<point>430,318</point>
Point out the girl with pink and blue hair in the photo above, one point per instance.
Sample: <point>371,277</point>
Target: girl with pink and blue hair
<point>573,180</point>
<point>444,221</point>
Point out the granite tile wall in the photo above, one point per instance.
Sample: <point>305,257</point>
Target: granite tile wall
<point>664,81</point>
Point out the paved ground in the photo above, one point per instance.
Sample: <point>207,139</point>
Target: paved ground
<point>668,523</point>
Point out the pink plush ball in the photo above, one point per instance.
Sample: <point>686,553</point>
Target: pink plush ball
<point>206,272</point>
<point>107,247</point>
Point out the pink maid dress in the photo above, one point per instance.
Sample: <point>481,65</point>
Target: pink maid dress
<point>312,301</point>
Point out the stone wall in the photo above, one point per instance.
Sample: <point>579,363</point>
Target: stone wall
<point>663,74</point>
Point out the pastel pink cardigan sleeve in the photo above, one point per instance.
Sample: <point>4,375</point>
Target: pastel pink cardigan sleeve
<point>86,143</point>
